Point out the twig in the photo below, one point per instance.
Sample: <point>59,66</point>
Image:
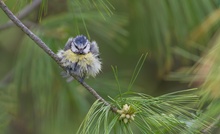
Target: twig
<point>7,78</point>
<point>208,128</point>
<point>26,23</point>
<point>22,14</point>
<point>42,45</point>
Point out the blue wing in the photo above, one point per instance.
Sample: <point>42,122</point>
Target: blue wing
<point>68,44</point>
<point>94,49</point>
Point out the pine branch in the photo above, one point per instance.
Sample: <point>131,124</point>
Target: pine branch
<point>22,14</point>
<point>46,49</point>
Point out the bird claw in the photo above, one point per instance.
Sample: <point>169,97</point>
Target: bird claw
<point>81,80</point>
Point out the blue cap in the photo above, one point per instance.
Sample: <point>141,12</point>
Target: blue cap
<point>81,39</point>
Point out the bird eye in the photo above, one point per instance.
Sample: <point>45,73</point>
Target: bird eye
<point>76,47</point>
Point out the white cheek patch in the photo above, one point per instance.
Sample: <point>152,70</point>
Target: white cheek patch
<point>74,49</point>
<point>87,49</point>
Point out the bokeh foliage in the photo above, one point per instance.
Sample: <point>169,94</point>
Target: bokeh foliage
<point>175,34</point>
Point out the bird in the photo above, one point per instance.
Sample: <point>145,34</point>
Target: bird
<point>80,57</point>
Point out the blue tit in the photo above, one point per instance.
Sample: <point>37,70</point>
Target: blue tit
<point>81,57</point>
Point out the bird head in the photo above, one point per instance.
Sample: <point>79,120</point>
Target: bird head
<point>80,45</point>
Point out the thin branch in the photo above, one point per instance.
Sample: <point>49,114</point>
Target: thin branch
<point>7,78</point>
<point>208,128</point>
<point>42,45</point>
<point>26,23</point>
<point>23,13</point>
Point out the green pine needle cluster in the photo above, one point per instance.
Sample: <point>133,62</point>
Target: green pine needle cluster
<point>169,113</point>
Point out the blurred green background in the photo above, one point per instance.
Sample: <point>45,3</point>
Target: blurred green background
<point>177,35</point>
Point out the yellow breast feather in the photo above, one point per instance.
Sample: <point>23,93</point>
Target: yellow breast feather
<point>87,63</point>
<point>83,60</point>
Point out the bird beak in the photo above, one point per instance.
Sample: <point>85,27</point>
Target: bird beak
<point>81,51</point>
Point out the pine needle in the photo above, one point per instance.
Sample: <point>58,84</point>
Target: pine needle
<point>115,71</point>
<point>137,69</point>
